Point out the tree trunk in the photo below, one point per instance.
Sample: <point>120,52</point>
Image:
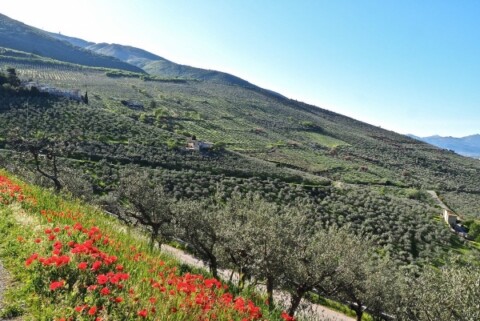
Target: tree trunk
<point>241,280</point>
<point>271,303</point>
<point>58,185</point>
<point>153,238</point>
<point>358,310</point>
<point>295,300</point>
<point>213,265</point>
<point>54,177</point>
<point>359,314</point>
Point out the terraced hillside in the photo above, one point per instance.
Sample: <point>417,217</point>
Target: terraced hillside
<point>286,150</point>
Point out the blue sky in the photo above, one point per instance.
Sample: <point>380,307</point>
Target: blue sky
<point>410,66</point>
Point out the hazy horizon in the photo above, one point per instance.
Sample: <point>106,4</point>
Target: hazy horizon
<point>404,66</point>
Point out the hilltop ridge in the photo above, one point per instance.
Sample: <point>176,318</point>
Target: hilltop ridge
<point>156,65</point>
<point>19,36</point>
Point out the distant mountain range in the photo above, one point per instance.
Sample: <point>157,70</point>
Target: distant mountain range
<point>466,146</point>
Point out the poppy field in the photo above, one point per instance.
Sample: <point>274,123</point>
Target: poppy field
<point>74,263</point>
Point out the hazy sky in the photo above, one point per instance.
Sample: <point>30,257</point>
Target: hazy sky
<point>407,65</point>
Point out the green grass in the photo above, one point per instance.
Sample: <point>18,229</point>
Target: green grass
<point>323,140</point>
<point>21,223</point>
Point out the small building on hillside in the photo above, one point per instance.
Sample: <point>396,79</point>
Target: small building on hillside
<point>197,145</point>
<point>449,217</point>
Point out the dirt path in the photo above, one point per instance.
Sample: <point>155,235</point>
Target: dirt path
<point>4,279</point>
<point>438,200</point>
<point>309,311</point>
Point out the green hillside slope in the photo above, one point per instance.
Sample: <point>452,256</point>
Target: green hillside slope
<point>285,150</point>
<point>16,35</point>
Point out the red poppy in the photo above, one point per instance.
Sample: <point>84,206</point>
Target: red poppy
<point>56,284</point>
<point>105,291</point>
<point>92,311</point>
<point>102,279</point>
<point>142,313</point>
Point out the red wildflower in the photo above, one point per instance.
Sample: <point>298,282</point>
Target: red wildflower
<point>96,265</point>
<point>92,287</point>
<point>32,258</point>
<point>102,279</point>
<point>82,265</point>
<point>56,284</point>
<point>287,317</point>
<point>92,311</point>
<point>105,291</point>
<point>80,308</point>
<point>142,313</point>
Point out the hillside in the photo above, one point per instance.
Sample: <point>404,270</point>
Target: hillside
<point>18,36</point>
<point>466,146</point>
<point>154,64</point>
<point>276,175</point>
<point>72,40</point>
<point>355,173</point>
<point>71,261</point>
<point>283,149</point>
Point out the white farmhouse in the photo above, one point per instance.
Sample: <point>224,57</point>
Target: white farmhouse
<point>449,217</point>
<point>197,145</point>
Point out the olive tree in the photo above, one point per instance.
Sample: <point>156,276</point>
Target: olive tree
<point>44,154</point>
<point>448,293</point>
<point>235,236</point>
<point>259,237</point>
<point>364,281</point>
<point>315,260</point>
<point>197,224</point>
<point>147,203</point>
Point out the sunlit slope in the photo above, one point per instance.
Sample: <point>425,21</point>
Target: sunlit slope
<point>270,129</point>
